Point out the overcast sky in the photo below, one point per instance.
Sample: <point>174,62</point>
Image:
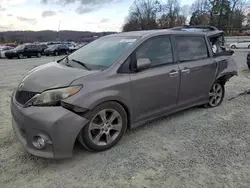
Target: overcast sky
<point>81,15</point>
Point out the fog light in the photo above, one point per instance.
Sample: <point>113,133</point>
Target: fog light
<point>38,142</point>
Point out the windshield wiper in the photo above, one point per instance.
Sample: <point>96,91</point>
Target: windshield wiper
<point>80,63</point>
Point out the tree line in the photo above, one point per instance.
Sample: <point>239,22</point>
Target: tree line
<point>47,35</point>
<point>228,15</point>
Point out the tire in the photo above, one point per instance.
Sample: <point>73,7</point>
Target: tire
<point>29,56</point>
<point>10,57</point>
<point>233,47</point>
<point>97,130</point>
<point>67,52</point>
<point>20,56</point>
<point>47,54</point>
<point>56,54</point>
<point>216,95</point>
<point>39,55</point>
<point>248,64</point>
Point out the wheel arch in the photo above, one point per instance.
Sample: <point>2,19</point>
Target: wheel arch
<point>224,78</point>
<point>120,102</point>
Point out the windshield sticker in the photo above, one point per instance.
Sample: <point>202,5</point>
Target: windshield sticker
<point>128,40</point>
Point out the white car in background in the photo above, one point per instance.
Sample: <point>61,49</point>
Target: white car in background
<point>3,49</point>
<point>243,44</point>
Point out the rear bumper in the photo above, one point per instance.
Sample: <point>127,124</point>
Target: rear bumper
<point>57,125</point>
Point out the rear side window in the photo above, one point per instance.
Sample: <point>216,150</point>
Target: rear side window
<point>191,48</point>
<point>158,50</point>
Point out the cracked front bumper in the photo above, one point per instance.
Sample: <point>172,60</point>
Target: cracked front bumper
<point>59,126</point>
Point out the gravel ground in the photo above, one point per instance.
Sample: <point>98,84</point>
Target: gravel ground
<point>194,148</point>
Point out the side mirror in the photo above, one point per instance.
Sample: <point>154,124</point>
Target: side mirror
<point>143,63</point>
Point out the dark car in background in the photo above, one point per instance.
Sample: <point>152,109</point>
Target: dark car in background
<point>42,47</point>
<point>22,51</point>
<point>56,50</point>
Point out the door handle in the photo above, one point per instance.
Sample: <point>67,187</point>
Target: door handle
<point>174,74</point>
<point>186,71</point>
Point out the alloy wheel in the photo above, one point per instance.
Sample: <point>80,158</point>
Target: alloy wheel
<point>215,95</point>
<point>105,127</point>
<point>20,56</point>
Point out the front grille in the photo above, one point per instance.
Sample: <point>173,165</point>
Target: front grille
<point>24,96</point>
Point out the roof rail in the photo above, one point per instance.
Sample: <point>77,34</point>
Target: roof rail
<point>204,27</point>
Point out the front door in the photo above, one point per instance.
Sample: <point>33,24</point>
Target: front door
<point>26,51</point>
<point>197,69</point>
<point>155,90</point>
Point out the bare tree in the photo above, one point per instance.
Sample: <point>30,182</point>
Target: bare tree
<point>236,14</point>
<point>200,5</point>
<point>200,13</point>
<point>142,15</point>
<point>171,15</point>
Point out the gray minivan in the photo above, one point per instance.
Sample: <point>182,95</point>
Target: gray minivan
<point>113,84</point>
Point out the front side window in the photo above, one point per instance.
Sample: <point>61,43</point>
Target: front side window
<point>21,47</point>
<point>33,47</point>
<point>191,48</point>
<point>100,54</point>
<point>157,50</point>
<point>53,47</point>
<point>28,47</point>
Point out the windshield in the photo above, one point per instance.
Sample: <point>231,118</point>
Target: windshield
<point>53,47</point>
<point>101,53</point>
<point>20,47</point>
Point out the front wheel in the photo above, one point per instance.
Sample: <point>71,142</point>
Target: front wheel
<point>216,95</point>
<point>108,123</point>
<point>39,55</point>
<point>233,47</point>
<point>20,56</point>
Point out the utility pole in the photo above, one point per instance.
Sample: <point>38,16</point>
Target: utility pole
<point>57,38</point>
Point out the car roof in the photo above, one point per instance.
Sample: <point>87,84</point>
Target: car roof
<point>208,30</point>
<point>155,33</point>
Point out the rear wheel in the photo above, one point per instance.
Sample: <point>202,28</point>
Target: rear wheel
<point>20,56</point>
<point>233,47</point>
<point>216,95</point>
<point>108,123</point>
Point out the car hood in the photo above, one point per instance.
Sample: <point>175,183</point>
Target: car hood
<point>10,51</point>
<point>51,75</point>
<point>49,49</point>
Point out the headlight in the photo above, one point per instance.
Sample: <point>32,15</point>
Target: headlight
<point>53,97</point>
